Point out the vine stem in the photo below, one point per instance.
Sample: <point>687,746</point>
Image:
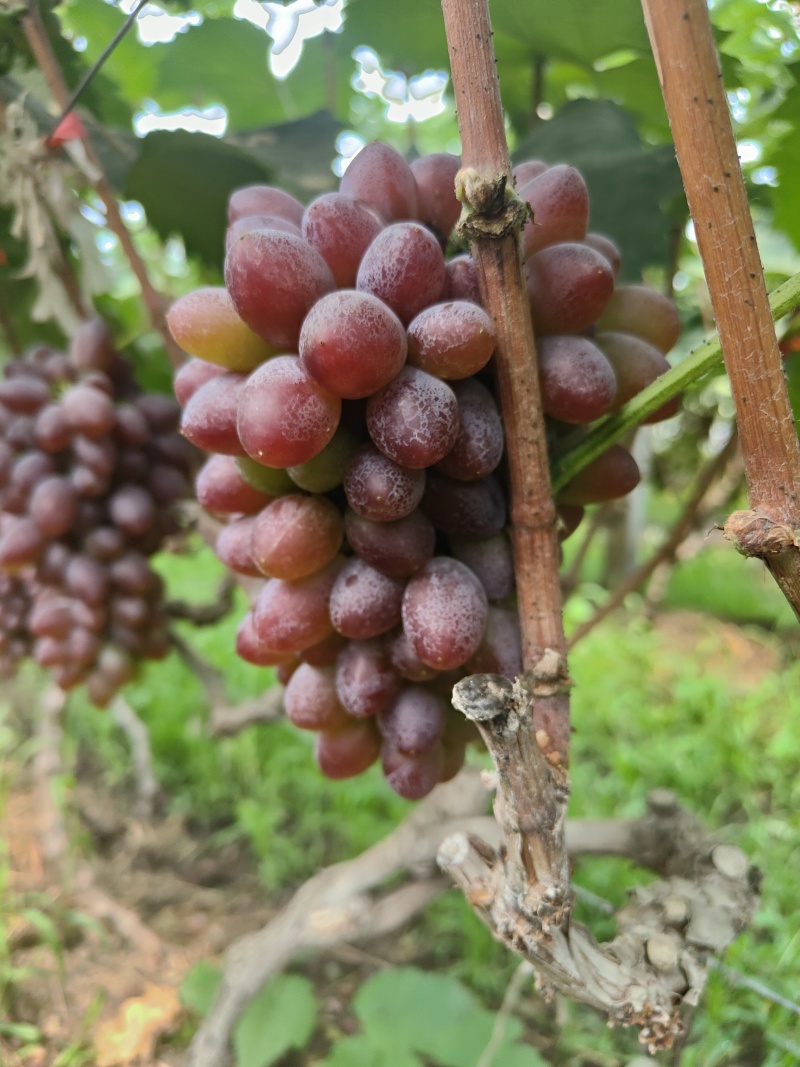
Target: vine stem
<point>504,294</point>
<point>154,302</point>
<point>691,81</point>
<point>529,745</point>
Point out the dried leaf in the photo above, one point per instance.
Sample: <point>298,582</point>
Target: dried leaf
<point>131,1036</point>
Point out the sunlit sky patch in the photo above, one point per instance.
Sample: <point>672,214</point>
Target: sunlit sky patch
<point>417,98</point>
<point>212,120</point>
<point>156,26</point>
<point>406,99</point>
<point>289,26</point>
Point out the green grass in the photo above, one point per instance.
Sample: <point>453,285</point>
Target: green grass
<point>645,713</point>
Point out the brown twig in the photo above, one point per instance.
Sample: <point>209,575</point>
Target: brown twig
<point>683,46</point>
<point>596,522</point>
<point>227,720</point>
<point>684,524</point>
<point>205,614</point>
<point>135,731</point>
<point>209,677</point>
<point>154,302</point>
<point>493,225</point>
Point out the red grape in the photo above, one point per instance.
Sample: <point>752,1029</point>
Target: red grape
<point>379,489</point>
<point>264,200</point>
<point>444,613</point>
<point>295,536</point>
<point>437,206</point>
<point>341,229</point>
<point>404,267</point>
<point>414,419</point>
<point>380,177</point>
<point>451,340</point>
<point>352,344</point>
<point>364,603</point>
<point>284,416</point>
<point>273,279</point>
<point>569,285</point>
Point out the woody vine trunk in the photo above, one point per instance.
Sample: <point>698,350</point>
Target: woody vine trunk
<point>530,747</point>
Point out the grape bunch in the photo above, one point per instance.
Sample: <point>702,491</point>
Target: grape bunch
<point>90,467</point>
<point>342,380</point>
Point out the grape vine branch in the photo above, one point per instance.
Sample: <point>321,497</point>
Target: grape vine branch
<point>694,94</point>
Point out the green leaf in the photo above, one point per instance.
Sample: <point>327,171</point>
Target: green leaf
<point>785,155</point>
<point>281,1017</point>
<point>578,31</point>
<point>630,183</point>
<point>131,66</point>
<point>581,32</point>
<point>391,1000</point>
<point>226,61</point>
<point>222,61</point>
<point>199,987</point>
<point>581,35</point>
<point>792,367</point>
<point>433,1015</point>
<point>298,154</point>
<point>360,1052</point>
<point>183,181</point>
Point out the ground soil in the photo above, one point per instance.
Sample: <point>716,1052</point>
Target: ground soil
<point>136,903</point>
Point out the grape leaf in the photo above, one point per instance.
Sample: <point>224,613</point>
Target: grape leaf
<point>298,153</point>
<point>580,35</point>
<point>360,1052</point>
<point>222,61</point>
<point>199,987</point>
<point>226,61</point>
<point>183,181</point>
<point>280,1017</point>
<point>785,156</point>
<point>578,32</point>
<point>435,1016</point>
